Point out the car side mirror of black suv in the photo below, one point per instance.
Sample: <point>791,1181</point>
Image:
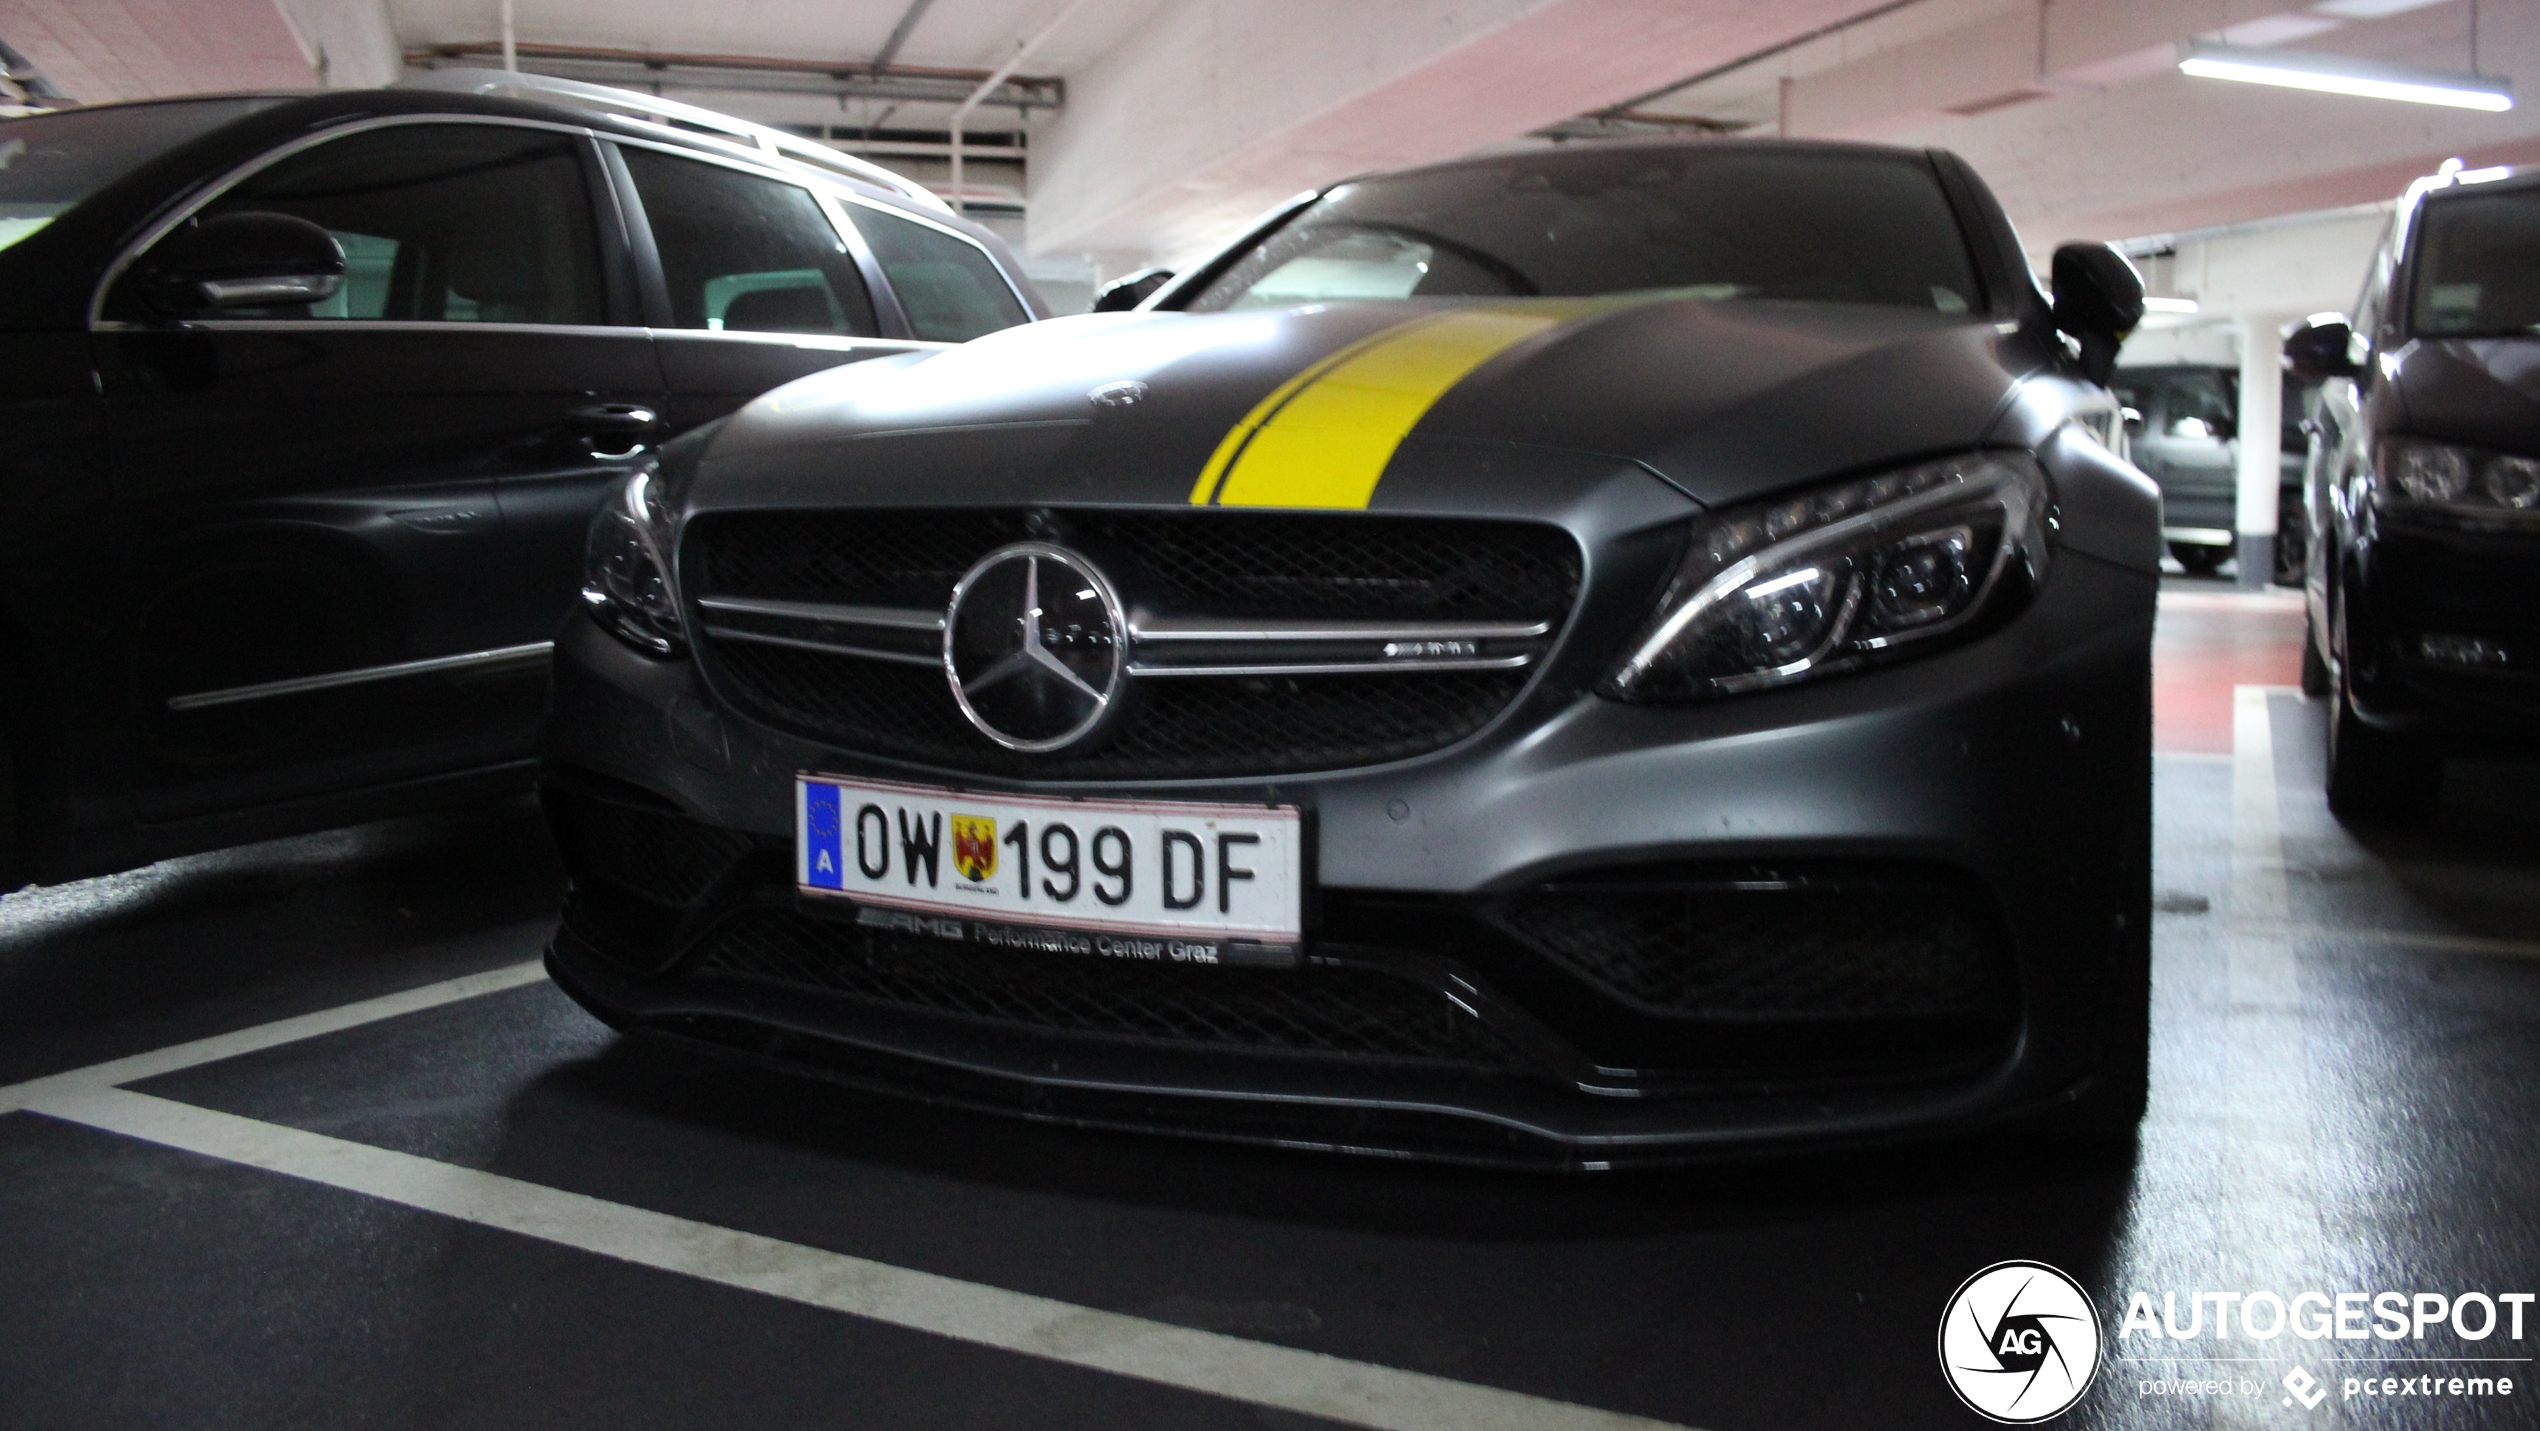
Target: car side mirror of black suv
<point>248,260</point>
<point>2098,300</point>
<point>2322,347</point>
<point>1127,292</point>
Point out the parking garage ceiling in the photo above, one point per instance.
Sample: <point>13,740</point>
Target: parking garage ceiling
<point>1156,128</point>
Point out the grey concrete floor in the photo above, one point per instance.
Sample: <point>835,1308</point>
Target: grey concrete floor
<point>2347,1071</point>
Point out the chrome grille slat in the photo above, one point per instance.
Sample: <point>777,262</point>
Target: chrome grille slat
<point>838,625</point>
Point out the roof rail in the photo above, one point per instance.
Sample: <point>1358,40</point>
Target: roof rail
<point>631,103</point>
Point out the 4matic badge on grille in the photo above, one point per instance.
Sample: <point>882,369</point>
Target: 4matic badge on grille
<point>1133,879</point>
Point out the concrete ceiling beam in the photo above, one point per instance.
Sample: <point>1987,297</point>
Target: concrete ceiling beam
<point>2025,51</point>
<point>98,51</point>
<point>1215,109</point>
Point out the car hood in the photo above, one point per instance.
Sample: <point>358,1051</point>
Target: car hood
<point>1307,407</point>
<point>2482,391</point>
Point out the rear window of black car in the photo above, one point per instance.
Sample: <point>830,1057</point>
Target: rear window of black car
<point>2478,265</point>
<point>49,162</point>
<point>1826,226</point>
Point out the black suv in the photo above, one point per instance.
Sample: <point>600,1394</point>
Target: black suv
<point>306,404</point>
<point>2182,425</point>
<point>2424,495</point>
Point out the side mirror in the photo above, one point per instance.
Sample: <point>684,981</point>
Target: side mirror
<point>2098,300</point>
<point>2321,348</point>
<point>250,260</point>
<point>2133,418</point>
<point>1127,292</point>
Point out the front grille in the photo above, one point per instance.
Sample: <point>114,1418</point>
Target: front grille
<point>1206,564</point>
<point>1772,950</point>
<point>1355,1013</point>
<point>1210,562</point>
<point>649,865</point>
<point>1187,728</point>
<point>657,855</point>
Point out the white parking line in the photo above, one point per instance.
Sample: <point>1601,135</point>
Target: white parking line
<point>280,1031</point>
<point>1304,1382</point>
<point>2266,1207</point>
<point>1309,1383</point>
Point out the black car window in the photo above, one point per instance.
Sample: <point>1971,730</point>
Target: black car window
<point>2367,320</point>
<point>948,286</point>
<point>1732,223</point>
<point>746,253</point>
<point>2478,266</point>
<point>2201,405</point>
<point>456,223</point>
<point>49,162</point>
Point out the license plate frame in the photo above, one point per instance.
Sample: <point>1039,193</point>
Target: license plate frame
<point>1241,872</point>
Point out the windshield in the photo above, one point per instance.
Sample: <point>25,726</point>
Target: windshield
<point>2478,266</point>
<point>49,162</point>
<point>1722,223</point>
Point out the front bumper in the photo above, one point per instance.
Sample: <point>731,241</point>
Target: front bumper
<point>2442,636</point>
<point>2007,780</point>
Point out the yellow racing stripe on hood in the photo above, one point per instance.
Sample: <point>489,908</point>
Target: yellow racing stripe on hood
<point>1323,437</point>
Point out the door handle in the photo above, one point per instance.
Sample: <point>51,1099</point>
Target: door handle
<point>614,418</point>
<point>628,422</point>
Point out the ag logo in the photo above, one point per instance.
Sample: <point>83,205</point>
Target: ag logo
<point>974,847</point>
<point>2019,1342</point>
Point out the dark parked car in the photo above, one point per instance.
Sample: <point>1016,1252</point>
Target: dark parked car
<point>2424,496</point>
<point>307,403</point>
<point>2183,427</point>
<point>1574,657</point>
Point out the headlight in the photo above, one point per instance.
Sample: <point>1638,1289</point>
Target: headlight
<point>626,582</point>
<point>1838,578</point>
<point>2418,478</point>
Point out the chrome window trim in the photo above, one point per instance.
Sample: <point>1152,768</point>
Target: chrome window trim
<point>213,191</point>
<point>833,342</point>
<point>370,325</point>
<point>830,198</point>
<point>845,199</point>
<point>496,658</point>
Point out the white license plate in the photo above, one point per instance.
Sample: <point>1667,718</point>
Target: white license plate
<point>1135,879</point>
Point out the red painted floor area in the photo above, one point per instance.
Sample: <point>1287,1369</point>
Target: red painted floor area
<point>2211,638</point>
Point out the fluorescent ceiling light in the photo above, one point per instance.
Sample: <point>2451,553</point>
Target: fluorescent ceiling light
<point>2169,305</point>
<point>2371,9</point>
<point>2339,74</point>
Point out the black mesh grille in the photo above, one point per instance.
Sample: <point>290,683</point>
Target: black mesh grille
<point>876,558</point>
<point>659,856</point>
<point>1184,727</point>
<point>1355,1013</point>
<point>1204,562</point>
<point>1841,951</point>
<point>1351,566</point>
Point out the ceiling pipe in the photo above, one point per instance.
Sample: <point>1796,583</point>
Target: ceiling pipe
<point>899,34</point>
<point>511,41</point>
<point>988,86</point>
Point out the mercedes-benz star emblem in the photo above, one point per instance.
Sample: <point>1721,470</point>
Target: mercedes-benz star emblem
<point>1032,646</point>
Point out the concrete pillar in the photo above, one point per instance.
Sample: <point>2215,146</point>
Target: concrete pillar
<point>2261,446</point>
